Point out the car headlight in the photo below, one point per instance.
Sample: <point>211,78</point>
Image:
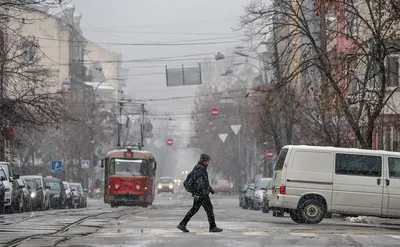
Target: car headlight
<point>116,186</point>
<point>160,186</point>
<point>33,194</point>
<point>171,186</point>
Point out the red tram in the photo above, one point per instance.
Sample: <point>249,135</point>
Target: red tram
<point>129,178</point>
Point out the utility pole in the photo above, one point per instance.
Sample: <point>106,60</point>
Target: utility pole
<point>2,95</point>
<point>142,129</point>
<point>121,104</point>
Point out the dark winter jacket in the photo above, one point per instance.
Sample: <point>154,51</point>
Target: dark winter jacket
<point>201,185</point>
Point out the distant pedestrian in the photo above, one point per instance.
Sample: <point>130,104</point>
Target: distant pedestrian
<point>201,191</point>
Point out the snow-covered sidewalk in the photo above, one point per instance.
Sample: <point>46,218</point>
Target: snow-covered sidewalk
<point>373,220</point>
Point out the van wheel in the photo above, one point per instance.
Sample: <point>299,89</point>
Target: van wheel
<point>312,211</point>
<point>296,217</point>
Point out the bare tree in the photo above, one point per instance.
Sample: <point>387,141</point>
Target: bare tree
<point>355,75</point>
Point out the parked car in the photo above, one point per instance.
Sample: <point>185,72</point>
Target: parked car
<point>69,199</point>
<point>8,185</point>
<point>257,197</point>
<point>222,186</point>
<point>2,191</point>
<point>79,194</point>
<point>42,191</point>
<point>165,184</point>
<point>266,198</point>
<point>57,192</point>
<point>242,193</point>
<point>26,195</point>
<point>247,195</point>
<point>37,199</point>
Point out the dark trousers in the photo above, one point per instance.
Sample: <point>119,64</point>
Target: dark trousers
<point>204,201</point>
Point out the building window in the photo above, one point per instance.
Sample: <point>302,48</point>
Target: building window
<point>358,165</point>
<point>392,63</point>
<point>29,51</point>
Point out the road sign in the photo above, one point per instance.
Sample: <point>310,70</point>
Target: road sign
<point>56,166</point>
<point>85,164</point>
<point>269,154</point>
<point>158,143</point>
<point>223,137</point>
<point>170,142</point>
<point>214,112</point>
<point>236,128</point>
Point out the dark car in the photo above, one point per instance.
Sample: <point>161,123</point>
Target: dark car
<point>165,184</point>
<point>36,192</point>
<point>57,192</point>
<point>2,191</point>
<point>26,195</point>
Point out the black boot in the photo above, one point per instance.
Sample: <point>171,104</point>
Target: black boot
<point>182,228</point>
<point>215,229</point>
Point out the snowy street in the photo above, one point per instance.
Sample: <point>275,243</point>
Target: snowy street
<point>101,225</point>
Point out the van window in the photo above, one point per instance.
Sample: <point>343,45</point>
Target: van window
<point>358,165</point>
<point>281,160</point>
<point>394,167</point>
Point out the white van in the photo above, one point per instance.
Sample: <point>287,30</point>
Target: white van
<point>310,181</point>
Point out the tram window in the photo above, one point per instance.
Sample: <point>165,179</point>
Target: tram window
<point>131,167</point>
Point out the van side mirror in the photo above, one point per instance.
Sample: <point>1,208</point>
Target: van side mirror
<point>2,178</point>
<point>21,186</point>
<point>47,187</point>
<point>102,163</point>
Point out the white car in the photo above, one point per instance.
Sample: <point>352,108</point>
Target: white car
<point>7,184</point>
<point>257,197</point>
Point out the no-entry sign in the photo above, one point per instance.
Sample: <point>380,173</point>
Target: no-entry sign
<point>214,112</point>
<point>170,142</point>
<point>269,154</point>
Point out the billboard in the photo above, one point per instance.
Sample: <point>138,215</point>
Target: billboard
<point>184,76</point>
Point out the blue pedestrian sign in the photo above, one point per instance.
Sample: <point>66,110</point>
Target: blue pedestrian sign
<point>57,166</point>
<point>85,164</point>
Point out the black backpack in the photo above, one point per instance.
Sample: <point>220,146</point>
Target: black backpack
<point>189,183</point>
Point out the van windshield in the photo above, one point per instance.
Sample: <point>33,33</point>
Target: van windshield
<point>281,160</point>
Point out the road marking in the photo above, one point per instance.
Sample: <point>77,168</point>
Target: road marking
<point>255,233</point>
<point>305,234</point>
<point>394,236</point>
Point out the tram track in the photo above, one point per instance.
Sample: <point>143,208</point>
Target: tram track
<point>17,241</point>
<point>50,213</point>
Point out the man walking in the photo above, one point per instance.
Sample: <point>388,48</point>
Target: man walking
<point>201,196</point>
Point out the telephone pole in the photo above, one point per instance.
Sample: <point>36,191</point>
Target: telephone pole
<point>142,129</point>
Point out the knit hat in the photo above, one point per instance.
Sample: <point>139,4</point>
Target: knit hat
<point>204,157</point>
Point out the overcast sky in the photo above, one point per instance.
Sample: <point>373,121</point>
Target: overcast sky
<point>150,21</point>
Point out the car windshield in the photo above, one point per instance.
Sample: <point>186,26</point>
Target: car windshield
<point>39,181</point>
<point>2,173</point>
<point>165,180</point>
<point>74,187</point>
<point>66,186</point>
<point>263,184</point>
<point>30,183</point>
<point>131,167</point>
<point>54,186</point>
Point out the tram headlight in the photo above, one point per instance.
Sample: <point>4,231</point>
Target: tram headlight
<point>171,186</point>
<point>116,186</point>
<point>33,194</point>
<point>160,186</point>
